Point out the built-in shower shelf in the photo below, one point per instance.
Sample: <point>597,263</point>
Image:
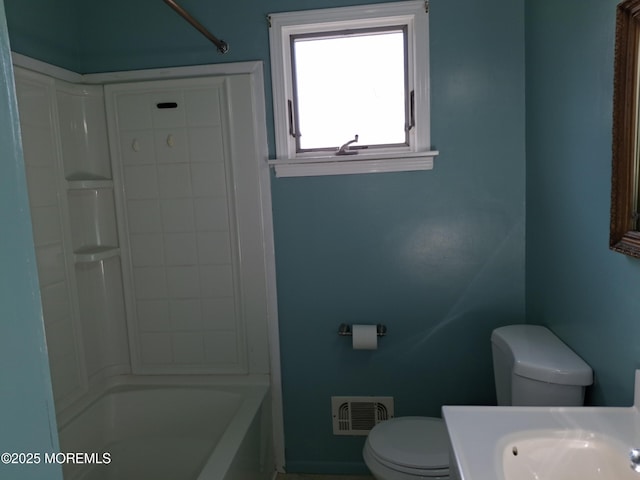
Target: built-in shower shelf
<point>87,184</point>
<point>95,253</point>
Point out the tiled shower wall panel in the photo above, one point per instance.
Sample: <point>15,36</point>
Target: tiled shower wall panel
<point>36,100</point>
<point>179,206</point>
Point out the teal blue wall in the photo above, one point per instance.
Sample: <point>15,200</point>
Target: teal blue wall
<point>46,30</point>
<point>587,294</point>
<point>27,417</point>
<point>437,256</point>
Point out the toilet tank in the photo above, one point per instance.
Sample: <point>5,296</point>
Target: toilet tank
<point>534,367</point>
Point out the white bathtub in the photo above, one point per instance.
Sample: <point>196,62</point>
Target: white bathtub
<point>171,428</point>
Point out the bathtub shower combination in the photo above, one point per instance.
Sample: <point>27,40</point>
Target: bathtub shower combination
<point>148,201</point>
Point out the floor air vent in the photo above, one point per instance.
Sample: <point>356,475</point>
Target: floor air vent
<point>358,415</point>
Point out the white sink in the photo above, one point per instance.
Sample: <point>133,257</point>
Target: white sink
<point>544,443</point>
<point>565,454</point>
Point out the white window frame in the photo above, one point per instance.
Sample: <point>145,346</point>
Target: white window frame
<point>419,154</point>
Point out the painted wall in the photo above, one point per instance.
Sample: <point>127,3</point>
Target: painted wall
<point>46,30</point>
<point>26,401</point>
<point>575,285</point>
<point>438,256</point>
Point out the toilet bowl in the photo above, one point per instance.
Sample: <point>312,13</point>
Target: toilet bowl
<point>408,448</point>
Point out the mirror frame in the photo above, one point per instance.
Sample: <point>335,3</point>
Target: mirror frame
<point>623,234</point>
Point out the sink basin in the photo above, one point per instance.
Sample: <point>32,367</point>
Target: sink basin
<point>563,455</point>
<point>545,443</point>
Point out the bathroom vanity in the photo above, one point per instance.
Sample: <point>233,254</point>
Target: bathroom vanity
<point>545,443</point>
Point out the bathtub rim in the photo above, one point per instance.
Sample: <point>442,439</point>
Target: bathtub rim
<point>235,383</point>
<point>254,406</point>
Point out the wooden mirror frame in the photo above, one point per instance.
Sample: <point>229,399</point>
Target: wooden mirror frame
<point>624,236</point>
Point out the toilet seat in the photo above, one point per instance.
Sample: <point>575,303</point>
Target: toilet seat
<point>416,446</point>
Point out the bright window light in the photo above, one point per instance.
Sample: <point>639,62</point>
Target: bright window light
<point>350,83</point>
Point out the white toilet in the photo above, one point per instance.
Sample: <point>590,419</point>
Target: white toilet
<point>531,366</point>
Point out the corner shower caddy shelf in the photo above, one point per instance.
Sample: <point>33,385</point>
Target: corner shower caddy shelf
<point>95,254</point>
<point>93,221</point>
<point>80,184</point>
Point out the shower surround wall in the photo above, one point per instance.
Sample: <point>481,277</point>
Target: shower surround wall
<point>154,265</point>
<point>178,199</point>
<point>73,215</point>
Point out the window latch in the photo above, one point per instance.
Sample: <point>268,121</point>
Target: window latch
<point>345,150</point>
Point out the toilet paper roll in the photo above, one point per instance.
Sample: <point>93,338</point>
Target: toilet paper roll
<point>365,337</point>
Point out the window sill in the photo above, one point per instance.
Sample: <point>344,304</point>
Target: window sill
<point>353,164</point>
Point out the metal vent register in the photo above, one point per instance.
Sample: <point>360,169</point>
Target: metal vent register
<point>358,415</point>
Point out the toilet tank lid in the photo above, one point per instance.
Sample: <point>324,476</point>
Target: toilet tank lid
<point>540,355</point>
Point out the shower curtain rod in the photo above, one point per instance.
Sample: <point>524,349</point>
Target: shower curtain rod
<point>222,46</point>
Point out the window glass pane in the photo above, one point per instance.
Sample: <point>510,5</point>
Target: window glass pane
<point>351,85</point>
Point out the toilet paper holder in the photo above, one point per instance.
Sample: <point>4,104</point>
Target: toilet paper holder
<point>345,330</point>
